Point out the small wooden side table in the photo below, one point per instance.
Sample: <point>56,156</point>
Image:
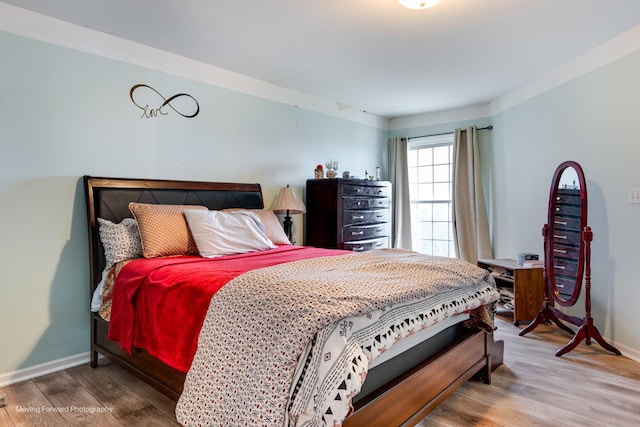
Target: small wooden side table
<point>526,284</point>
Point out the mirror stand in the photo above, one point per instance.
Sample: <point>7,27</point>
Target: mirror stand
<point>587,330</point>
<point>567,249</point>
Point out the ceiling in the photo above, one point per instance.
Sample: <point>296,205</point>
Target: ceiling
<point>372,55</point>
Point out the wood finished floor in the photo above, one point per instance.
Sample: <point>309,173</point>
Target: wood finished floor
<point>586,387</point>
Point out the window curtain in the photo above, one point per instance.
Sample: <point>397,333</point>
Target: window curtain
<point>470,223</point>
<point>401,209</point>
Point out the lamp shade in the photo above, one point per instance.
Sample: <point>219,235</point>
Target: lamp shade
<point>288,202</point>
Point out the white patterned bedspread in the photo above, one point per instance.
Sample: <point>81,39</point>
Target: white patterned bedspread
<point>255,364</point>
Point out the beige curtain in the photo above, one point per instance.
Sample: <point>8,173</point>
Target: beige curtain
<point>401,209</point>
<point>470,223</point>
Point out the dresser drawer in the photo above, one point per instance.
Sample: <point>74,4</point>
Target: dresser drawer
<point>566,251</point>
<point>367,245</point>
<point>565,285</point>
<point>366,217</point>
<point>566,223</point>
<point>566,238</point>
<point>363,232</point>
<point>572,210</point>
<point>366,202</point>
<point>365,190</point>
<point>568,196</point>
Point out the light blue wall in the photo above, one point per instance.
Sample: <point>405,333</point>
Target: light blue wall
<point>64,114</point>
<point>591,120</point>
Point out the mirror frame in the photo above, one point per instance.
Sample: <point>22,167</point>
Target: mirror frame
<point>549,255</point>
<point>548,313</point>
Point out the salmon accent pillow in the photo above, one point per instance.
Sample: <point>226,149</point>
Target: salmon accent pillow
<point>163,229</point>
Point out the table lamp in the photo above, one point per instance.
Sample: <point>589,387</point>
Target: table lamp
<point>288,203</point>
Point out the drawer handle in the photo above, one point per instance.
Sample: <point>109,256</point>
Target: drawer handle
<point>379,216</point>
<point>357,233</point>
<point>357,217</point>
<point>358,190</point>
<point>561,222</point>
<point>358,248</point>
<point>379,230</point>
<point>359,203</point>
<point>561,251</point>
<point>560,267</point>
<point>379,244</point>
<point>558,236</point>
<point>379,191</point>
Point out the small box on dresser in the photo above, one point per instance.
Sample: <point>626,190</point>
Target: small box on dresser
<point>352,214</point>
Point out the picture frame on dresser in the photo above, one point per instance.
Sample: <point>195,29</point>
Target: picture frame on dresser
<point>350,214</point>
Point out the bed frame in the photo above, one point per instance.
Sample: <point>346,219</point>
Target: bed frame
<point>404,393</point>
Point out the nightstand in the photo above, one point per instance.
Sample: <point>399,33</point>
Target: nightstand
<point>521,288</point>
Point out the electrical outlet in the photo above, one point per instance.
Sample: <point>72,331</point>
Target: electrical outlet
<point>4,400</point>
<point>634,196</point>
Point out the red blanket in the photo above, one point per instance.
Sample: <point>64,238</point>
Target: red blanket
<point>159,304</point>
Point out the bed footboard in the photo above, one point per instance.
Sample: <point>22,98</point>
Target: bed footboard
<point>408,399</point>
<point>402,402</point>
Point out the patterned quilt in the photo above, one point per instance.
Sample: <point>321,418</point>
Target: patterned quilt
<point>247,366</point>
<point>106,299</point>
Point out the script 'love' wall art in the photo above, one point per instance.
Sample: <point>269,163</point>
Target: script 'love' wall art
<point>153,104</point>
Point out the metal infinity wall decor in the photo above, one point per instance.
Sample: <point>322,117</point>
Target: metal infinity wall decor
<point>149,112</point>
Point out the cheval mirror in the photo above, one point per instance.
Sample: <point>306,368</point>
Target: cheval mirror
<point>567,258</point>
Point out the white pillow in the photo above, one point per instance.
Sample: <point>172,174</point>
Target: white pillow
<point>273,227</point>
<point>225,233</point>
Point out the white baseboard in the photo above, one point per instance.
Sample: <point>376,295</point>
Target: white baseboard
<point>628,352</point>
<point>43,369</point>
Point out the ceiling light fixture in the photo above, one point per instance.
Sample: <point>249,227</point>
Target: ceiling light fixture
<point>419,4</point>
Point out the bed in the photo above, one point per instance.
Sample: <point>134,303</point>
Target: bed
<point>400,391</point>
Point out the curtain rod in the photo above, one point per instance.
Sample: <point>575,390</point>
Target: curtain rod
<point>447,133</point>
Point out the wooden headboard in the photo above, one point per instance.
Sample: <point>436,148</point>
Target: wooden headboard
<point>109,198</point>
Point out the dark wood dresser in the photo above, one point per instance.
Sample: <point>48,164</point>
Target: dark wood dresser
<point>566,240</point>
<point>350,214</point>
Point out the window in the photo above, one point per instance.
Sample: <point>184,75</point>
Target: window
<point>430,172</point>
